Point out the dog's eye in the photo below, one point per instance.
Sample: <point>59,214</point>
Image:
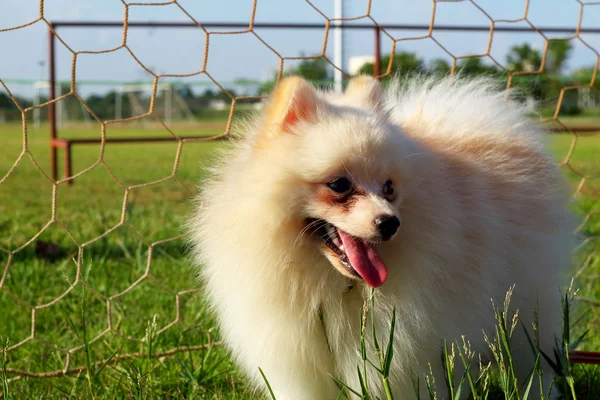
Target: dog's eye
<point>340,185</point>
<point>388,189</point>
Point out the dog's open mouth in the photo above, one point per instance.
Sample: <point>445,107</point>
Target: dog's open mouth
<point>357,256</point>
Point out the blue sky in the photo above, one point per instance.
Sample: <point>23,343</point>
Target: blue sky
<point>243,56</point>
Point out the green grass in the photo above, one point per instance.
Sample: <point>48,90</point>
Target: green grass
<point>110,265</point>
<point>92,207</point>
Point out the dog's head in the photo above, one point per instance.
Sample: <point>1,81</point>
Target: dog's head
<point>346,168</point>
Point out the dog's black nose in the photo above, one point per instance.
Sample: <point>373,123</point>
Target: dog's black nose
<point>387,225</point>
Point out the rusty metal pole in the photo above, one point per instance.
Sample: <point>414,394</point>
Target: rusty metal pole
<point>51,105</point>
<point>67,167</point>
<point>377,63</point>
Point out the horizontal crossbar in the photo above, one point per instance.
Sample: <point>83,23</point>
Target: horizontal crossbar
<point>64,143</point>
<point>584,357</point>
<point>67,143</point>
<point>291,25</point>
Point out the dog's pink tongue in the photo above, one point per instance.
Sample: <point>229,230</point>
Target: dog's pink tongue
<point>364,259</point>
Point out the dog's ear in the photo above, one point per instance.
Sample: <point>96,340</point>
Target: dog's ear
<point>293,101</point>
<point>366,90</point>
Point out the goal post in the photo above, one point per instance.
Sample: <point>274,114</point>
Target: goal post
<point>171,106</point>
<point>66,111</point>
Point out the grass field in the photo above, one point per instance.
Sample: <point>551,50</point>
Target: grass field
<point>112,262</point>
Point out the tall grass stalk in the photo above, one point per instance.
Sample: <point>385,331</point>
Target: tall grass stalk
<point>477,377</point>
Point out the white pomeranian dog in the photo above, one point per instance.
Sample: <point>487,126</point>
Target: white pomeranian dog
<point>437,192</point>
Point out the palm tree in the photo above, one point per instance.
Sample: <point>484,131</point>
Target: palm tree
<point>523,58</point>
<point>558,53</point>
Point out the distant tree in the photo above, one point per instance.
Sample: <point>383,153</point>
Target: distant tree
<point>475,66</point>
<point>558,53</point>
<point>208,94</point>
<point>5,101</point>
<point>523,58</point>
<point>402,62</point>
<point>104,106</point>
<point>583,76</point>
<point>221,95</point>
<point>186,92</point>
<point>440,66</point>
<point>9,110</point>
<point>316,70</point>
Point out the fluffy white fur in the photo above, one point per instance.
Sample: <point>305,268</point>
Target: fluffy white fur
<point>482,208</point>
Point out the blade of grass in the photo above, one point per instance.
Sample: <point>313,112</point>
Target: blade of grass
<point>342,385</point>
<point>416,382</point>
<point>267,383</point>
<point>389,354</point>
<point>363,346</point>
<point>5,386</point>
<point>466,357</point>
<point>447,363</point>
<point>530,381</point>
<point>375,343</point>
<point>363,388</point>
<point>342,393</point>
